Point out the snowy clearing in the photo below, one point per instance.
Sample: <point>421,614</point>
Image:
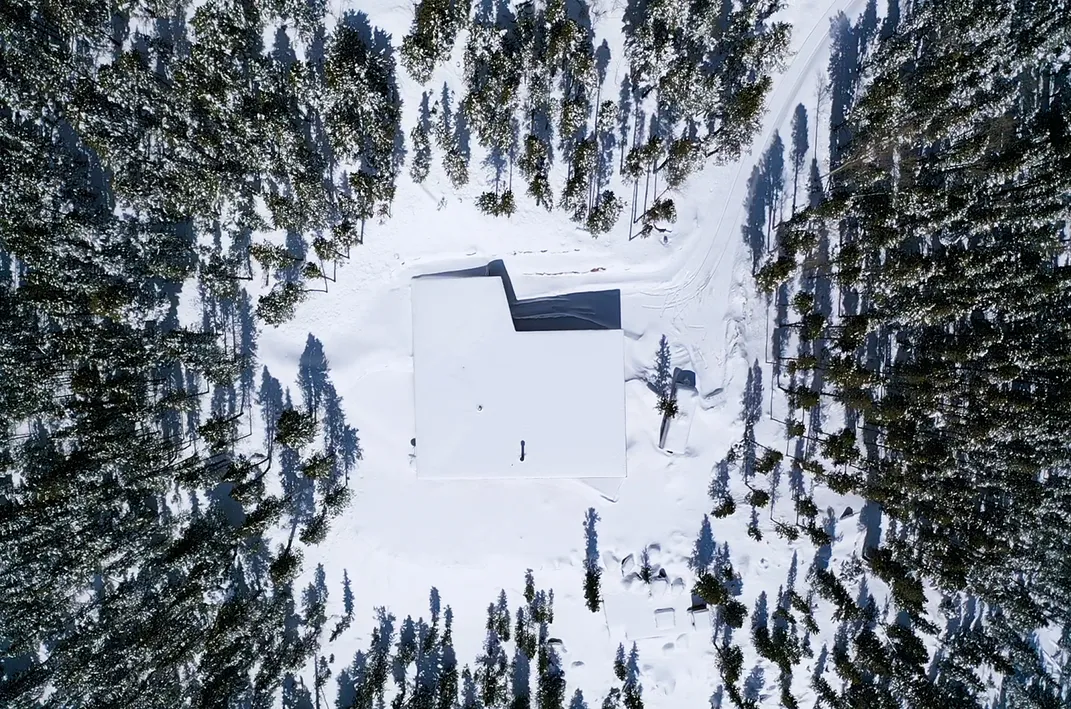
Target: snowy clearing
<point>403,534</point>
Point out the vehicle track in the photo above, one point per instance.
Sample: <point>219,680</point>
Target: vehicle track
<point>726,237</point>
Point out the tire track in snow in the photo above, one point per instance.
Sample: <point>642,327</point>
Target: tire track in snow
<point>685,293</point>
<point>677,293</point>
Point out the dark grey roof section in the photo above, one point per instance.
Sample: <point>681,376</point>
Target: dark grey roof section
<point>683,378</point>
<point>588,310</point>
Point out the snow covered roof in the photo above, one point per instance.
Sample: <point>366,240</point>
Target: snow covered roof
<point>482,389</point>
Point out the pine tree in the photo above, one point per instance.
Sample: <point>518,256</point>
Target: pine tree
<point>646,573</point>
<point>451,135</point>
<point>492,78</point>
<point>724,505</point>
<point>280,304</point>
<point>663,374</point>
<point>295,429</point>
<point>604,214</point>
<point>363,115</point>
<point>432,35</point>
<point>551,691</point>
<point>502,617</point>
<point>632,689</point>
<point>936,294</point>
<point>447,687</point>
<point>535,166</point>
<point>470,696</point>
<point>420,137</point>
<point>620,669</point>
<point>491,671</point>
<point>671,48</point>
<point>592,571</point>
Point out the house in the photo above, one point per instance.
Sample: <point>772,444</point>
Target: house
<point>495,399</point>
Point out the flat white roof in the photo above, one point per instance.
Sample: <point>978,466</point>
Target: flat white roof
<point>481,388</point>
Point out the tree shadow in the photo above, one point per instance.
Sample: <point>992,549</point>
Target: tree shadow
<point>282,50</point>
<point>624,117</point>
<point>247,345</point>
<point>579,12</point>
<point>754,684</point>
<point>760,617</point>
<point>298,250</point>
<point>315,131</point>
<point>462,135</point>
<point>850,44</point>
<point>379,47</point>
<point>705,548</point>
<point>795,471</point>
<point>496,161</point>
<point>119,30</point>
<point>170,418</point>
<point>754,229</point>
<point>800,147</point>
<point>318,157</point>
<point>722,561</point>
<point>295,694</point>
<point>87,181</point>
<point>773,166</point>
<point>780,334</point>
<point>224,400</point>
<point>892,19</point>
<point>825,552</point>
<point>191,387</point>
<point>340,439</point>
<point>765,193</point>
<point>633,18</point>
<point>751,414</point>
<point>270,400</point>
<point>7,273</point>
<point>820,663</point>
<point>297,488</point>
<point>312,374</point>
<point>602,61</point>
<point>520,678</point>
<point>843,74</point>
<point>870,521</point>
<point>173,32</point>
<point>342,442</point>
<point>542,128</point>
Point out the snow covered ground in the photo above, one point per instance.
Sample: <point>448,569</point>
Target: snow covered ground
<point>469,538</point>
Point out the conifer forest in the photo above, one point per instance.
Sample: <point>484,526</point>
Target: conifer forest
<point>196,194</point>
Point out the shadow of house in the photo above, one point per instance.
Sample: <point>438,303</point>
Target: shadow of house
<point>588,310</point>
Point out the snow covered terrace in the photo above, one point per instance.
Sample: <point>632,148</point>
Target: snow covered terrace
<point>493,379</point>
